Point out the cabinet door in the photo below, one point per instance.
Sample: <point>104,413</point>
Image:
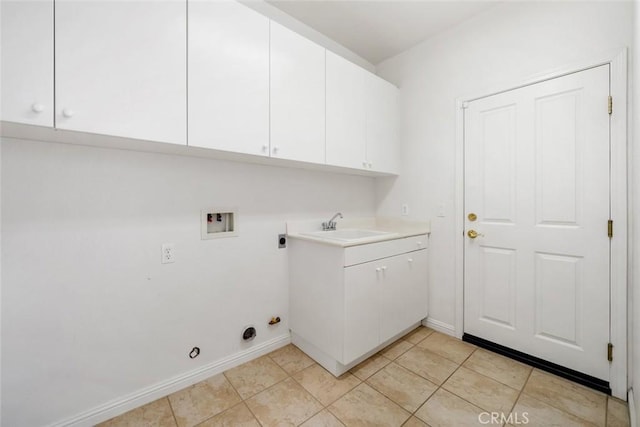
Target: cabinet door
<point>361,310</point>
<point>403,292</point>
<point>26,34</point>
<point>121,68</point>
<point>383,149</point>
<point>228,77</point>
<point>297,97</point>
<point>345,113</point>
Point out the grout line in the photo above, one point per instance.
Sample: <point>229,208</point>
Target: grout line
<point>173,414</point>
<point>521,391</point>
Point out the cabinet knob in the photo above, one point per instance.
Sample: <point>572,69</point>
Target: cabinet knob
<point>378,270</point>
<point>364,164</point>
<point>384,268</point>
<point>68,113</point>
<point>276,149</point>
<point>369,165</point>
<point>419,244</point>
<point>37,108</point>
<point>265,148</point>
<point>410,260</point>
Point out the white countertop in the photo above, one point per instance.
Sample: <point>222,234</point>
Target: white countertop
<point>397,229</point>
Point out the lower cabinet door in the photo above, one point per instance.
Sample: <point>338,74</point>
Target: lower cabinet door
<point>361,310</point>
<point>403,292</point>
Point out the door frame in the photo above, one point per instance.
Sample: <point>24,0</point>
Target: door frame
<point>618,195</point>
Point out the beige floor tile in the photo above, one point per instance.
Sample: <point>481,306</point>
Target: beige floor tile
<point>402,386</point>
<point>154,414</point>
<point>291,359</point>
<point>370,366</point>
<point>286,403</point>
<point>255,376</point>
<point>363,406</point>
<point>446,346</point>
<point>323,385</point>
<point>323,419</point>
<point>203,400</point>
<point>539,414</point>
<point>427,364</point>
<point>238,416</point>
<point>500,368</point>
<point>567,396</point>
<point>482,391</point>
<point>445,409</point>
<point>418,334</point>
<point>396,349</point>
<point>617,413</point>
<point>414,422</point>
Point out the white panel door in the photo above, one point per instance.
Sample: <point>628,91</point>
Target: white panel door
<point>26,35</point>
<point>228,77</point>
<point>383,149</point>
<point>537,177</point>
<point>121,68</point>
<point>346,135</point>
<point>297,97</point>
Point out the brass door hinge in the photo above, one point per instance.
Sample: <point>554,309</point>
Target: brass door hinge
<point>610,228</point>
<point>610,104</point>
<point>610,352</point>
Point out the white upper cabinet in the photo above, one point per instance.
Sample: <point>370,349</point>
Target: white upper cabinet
<point>121,68</point>
<point>383,149</point>
<point>361,118</point>
<point>346,142</point>
<point>26,33</point>
<point>297,97</point>
<point>228,77</point>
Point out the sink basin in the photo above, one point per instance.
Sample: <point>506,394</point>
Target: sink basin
<point>348,234</point>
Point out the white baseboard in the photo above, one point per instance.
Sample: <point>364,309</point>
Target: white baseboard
<point>633,420</point>
<point>116,407</point>
<point>439,326</point>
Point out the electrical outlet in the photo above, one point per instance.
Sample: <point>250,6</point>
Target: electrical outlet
<point>168,253</point>
<point>405,210</point>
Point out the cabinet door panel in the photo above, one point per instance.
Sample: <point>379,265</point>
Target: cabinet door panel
<point>228,77</point>
<point>345,113</point>
<point>27,61</point>
<point>382,125</point>
<point>297,97</point>
<point>361,310</point>
<point>121,68</point>
<point>403,292</point>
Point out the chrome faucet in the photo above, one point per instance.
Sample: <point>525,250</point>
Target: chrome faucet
<point>331,224</point>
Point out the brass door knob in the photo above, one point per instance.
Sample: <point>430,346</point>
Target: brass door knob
<point>473,234</point>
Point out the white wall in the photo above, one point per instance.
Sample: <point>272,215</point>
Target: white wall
<point>505,45</point>
<point>89,314</point>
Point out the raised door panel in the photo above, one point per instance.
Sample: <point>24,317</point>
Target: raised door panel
<point>297,97</point>
<point>346,141</point>
<point>403,292</point>
<point>361,310</point>
<point>121,68</point>
<point>383,151</point>
<point>228,77</point>
<point>26,52</point>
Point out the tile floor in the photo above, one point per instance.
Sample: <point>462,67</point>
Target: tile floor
<point>424,379</point>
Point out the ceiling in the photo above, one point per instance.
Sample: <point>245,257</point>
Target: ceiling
<point>377,30</point>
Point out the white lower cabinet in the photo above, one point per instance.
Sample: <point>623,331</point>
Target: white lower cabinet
<point>344,309</point>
